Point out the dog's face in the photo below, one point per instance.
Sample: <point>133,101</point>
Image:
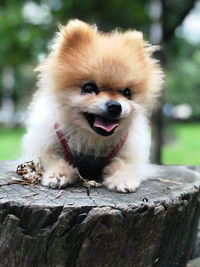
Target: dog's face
<point>101,80</point>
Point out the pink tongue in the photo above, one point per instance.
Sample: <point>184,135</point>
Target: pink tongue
<point>104,124</point>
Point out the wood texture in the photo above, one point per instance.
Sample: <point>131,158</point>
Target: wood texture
<point>156,226</point>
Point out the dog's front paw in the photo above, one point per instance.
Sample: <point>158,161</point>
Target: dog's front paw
<point>59,175</point>
<point>121,183</point>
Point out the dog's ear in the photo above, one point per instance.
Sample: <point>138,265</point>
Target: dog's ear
<point>135,38</point>
<point>76,34</point>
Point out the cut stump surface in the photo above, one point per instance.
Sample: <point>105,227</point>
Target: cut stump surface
<point>156,226</point>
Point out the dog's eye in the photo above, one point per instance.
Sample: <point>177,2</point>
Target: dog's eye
<point>127,93</point>
<point>89,88</point>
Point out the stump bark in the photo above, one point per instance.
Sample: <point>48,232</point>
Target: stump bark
<point>156,226</point>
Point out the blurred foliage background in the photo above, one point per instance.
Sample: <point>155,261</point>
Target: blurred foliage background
<point>26,32</point>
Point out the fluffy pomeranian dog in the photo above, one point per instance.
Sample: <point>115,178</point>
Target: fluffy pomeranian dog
<point>90,113</point>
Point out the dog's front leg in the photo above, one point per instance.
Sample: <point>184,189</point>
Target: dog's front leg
<point>58,172</point>
<point>122,176</point>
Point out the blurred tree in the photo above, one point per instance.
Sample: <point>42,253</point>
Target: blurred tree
<point>173,14</point>
<point>183,86</point>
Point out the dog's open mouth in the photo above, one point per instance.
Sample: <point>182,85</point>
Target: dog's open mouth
<point>101,125</point>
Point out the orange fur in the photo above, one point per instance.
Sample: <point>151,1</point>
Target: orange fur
<point>113,60</point>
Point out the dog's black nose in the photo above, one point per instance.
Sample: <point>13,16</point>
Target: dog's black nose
<point>114,108</point>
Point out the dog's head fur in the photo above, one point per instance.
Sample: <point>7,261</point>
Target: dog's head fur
<point>100,80</point>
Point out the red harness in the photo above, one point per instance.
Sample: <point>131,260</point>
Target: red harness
<point>114,151</point>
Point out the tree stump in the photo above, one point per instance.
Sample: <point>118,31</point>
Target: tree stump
<point>156,226</point>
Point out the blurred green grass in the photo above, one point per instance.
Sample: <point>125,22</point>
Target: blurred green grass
<point>10,142</point>
<point>182,145</point>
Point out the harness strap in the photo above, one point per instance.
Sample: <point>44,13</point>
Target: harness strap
<point>64,143</point>
<point>114,151</point>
